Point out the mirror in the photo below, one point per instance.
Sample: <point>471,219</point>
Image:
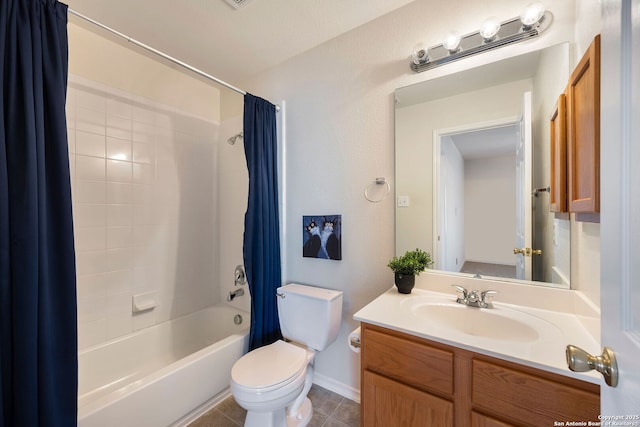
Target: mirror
<point>473,167</point>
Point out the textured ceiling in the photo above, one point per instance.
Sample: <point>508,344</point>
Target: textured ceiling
<point>233,45</point>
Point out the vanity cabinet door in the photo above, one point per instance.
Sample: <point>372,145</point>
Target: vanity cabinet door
<point>558,126</point>
<point>583,113</point>
<point>390,403</point>
<point>481,420</point>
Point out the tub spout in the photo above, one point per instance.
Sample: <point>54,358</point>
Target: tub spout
<point>236,293</point>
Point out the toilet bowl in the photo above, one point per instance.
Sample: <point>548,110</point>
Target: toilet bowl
<point>268,381</point>
<point>272,382</point>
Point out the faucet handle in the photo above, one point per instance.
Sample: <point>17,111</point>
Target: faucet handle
<point>462,291</point>
<point>486,296</point>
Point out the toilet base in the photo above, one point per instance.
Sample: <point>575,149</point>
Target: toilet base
<point>303,415</point>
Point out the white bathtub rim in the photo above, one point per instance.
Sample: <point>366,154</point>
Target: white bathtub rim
<point>92,406</point>
<point>143,369</point>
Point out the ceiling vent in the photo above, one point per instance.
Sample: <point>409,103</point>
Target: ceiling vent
<point>237,4</point>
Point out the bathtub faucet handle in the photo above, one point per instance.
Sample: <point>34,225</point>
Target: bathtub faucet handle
<point>240,276</point>
<point>236,293</point>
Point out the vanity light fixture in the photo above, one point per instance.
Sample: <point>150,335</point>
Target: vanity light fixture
<point>489,29</point>
<point>419,54</point>
<point>452,42</point>
<point>492,34</point>
<point>532,15</point>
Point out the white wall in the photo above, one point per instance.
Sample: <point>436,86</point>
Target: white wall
<point>144,205</point>
<point>233,189</point>
<point>143,151</point>
<point>340,133</point>
<point>108,61</point>
<point>585,237</point>
<point>551,235</point>
<point>490,209</point>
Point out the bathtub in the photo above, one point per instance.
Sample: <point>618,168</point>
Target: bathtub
<point>159,375</point>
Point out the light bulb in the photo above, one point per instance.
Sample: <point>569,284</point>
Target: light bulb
<point>489,28</point>
<point>451,42</point>
<point>532,15</point>
<point>420,54</point>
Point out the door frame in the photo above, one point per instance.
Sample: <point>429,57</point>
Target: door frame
<point>438,134</point>
<point>620,202</point>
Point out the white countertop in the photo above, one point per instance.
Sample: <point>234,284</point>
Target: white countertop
<point>557,329</point>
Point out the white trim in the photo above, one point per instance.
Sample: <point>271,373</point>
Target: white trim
<point>342,389</point>
<point>281,128</point>
<point>437,136</point>
<point>203,409</point>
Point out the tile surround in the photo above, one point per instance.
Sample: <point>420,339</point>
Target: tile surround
<point>143,203</point>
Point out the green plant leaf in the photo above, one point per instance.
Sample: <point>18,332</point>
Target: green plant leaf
<point>412,262</point>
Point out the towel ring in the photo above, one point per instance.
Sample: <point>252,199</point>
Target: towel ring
<point>377,181</point>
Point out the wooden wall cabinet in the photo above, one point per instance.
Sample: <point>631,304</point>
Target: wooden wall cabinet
<point>583,130</point>
<point>413,382</point>
<point>558,196</point>
<point>575,141</point>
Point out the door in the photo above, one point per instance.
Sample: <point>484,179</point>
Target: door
<point>620,228</point>
<point>389,403</point>
<point>523,191</point>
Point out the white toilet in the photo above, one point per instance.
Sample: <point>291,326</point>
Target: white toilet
<point>272,382</point>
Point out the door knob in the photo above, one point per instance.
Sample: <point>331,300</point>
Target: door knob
<point>581,361</point>
<point>518,251</point>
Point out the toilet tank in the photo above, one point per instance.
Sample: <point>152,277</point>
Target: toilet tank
<point>309,315</point>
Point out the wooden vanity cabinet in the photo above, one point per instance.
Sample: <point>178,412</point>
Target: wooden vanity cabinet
<point>401,390</point>
<point>409,381</point>
<point>583,131</point>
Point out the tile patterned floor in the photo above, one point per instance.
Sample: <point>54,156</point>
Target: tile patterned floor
<point>329,410</point>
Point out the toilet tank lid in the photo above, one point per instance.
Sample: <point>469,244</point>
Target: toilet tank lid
<point>310,291</point>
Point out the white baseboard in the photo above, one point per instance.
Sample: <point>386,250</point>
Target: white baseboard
<point>337,387</point>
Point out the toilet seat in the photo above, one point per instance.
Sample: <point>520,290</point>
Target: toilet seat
<point>269,367</point>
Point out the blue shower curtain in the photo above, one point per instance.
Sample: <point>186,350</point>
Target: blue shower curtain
<point>38,332</point>
<point>261,246</point>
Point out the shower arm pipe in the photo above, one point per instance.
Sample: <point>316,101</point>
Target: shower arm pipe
<point>159,53</point>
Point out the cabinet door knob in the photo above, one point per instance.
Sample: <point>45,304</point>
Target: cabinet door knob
<point>579,360</point>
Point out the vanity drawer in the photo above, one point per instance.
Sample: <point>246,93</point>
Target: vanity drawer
<point>531,399</point>
<point>416,364</point>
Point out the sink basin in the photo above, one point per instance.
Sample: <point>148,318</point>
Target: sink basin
<point>484,323</point>
<point>499,324</point>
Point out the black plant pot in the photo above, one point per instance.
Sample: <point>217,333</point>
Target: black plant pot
<point>405,282</point>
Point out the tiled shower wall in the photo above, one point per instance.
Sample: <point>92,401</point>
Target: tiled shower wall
<point>145,209</point>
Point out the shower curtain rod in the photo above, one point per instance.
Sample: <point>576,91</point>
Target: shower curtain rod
<point>159,53</point>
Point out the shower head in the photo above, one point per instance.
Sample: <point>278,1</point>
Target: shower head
<point>233,139</point>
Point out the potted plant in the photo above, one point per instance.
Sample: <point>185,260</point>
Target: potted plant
<point>407,267</point>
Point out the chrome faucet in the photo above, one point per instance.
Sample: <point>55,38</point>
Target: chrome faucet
<point>475,298</point>
<point>236,293</point>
